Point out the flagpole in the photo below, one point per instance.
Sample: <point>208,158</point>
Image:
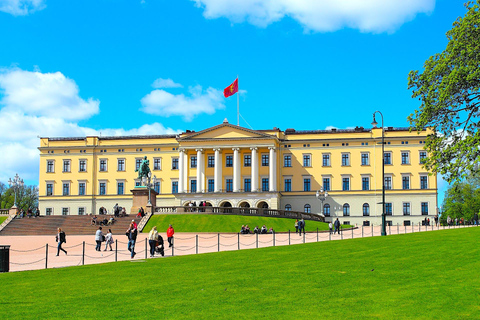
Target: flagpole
<point>238,105</point>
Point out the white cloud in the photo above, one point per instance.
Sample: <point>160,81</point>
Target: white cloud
<point>21,7</point>
<point>21,124</point>
<point>165,83</point>
<point>163,103</point>
<point>320,15</point>
<point>44,94</point>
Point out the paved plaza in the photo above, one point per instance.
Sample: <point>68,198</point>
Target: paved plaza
<point>39,252</point>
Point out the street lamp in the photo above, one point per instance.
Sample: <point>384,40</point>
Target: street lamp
<point>321,196</point>
<point>149,182</point>
<point>374,124</point>
<point>16,183</point>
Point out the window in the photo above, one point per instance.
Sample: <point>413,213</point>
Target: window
<point>406,208</point>
<point>121,165</point>
<point>120,188</point>
<point>82,165</point>
<point>307,208</point>
<point>247,160</point>
<point>48,211</point>
<point>405,158</point>
<point>81,188</point>
<point>307,160</point>
<point>211,185</point>
<point>50,166</point>
<point>264,184</point>
<point>288,207</point>
<point>103,165</point>
<point>423,182</point>
<point>326,184</point>
<point>388,183</point>
<point>81,211</point>
<point>326,210</point>
<point>157,163</point>
<point>193,186</point>
<point>387,157</point>
<point>326,160</point>
<point>366,209</point>
<point>174,163</point>
<point>287,160</point>
<point>264,160</point>
<point>405,182</point>
<point>345,159</point>
<point>423,156</point>
<point>66,165</point>
<point>346,184</point>
<point>193,161</point>
<point>211,161</point>
<point>229,185</point>
<point>247,185</point>
<point>103,188</point>
<point>174,186</point>
<point>346,210</point>
<point>49,189</point>
<point>388,209</point>
<point>65,211</point>
<point>138,162</point>
<point>306,184</point>
<point>156,187</point>
<point>365,159</point>
<point>66,188</point>
<point>229,161</point>
<point>288,185</point>
<point>365,183</point>
<point>424,208</point>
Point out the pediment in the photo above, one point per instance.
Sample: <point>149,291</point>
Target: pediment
<point>226,131</point>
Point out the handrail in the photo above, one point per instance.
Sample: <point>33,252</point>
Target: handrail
<point>263,212</point>
<point>7,221</point>
<point>144,221</point>
<point>4,211</point>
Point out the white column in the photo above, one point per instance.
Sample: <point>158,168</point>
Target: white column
<point>200,171</point>
<point>272,172</point>
<point>254,169</point>
<point>236,169</point>
<point>181,170</point>
<point>218,170</point>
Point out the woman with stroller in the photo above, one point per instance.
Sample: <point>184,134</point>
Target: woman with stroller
<point>152,240</point>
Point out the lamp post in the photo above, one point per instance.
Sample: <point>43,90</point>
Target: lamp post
<point>16,183</point>
<point>374,124</point>
<point>321,196</point>
<point>149,182</point>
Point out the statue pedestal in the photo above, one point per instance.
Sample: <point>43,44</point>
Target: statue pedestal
<point>140,199</point>
<point>13,210</point>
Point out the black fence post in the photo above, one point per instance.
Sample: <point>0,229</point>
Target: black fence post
<point>116,249</point>
<point>83,254</point>
<point>257,240</point>
<point>341,232</point>
<point>46,256</point>
<point>196,244</point>
<point>405,227</point>
<point>172,247</point>
<point>362,231</point>
<point>389,229</point>
<point>145,248</point>
<point>238,240</point>
<point>372,229</point>
<point>317,234</point>
<point>398,229</point>
<point>218,240</point>
<point>303,235</point>
<point>352,231</point>
<point>288,236</point>
<point>273,238</point>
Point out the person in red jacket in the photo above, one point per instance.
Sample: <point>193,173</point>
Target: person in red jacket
<point>170,233</point>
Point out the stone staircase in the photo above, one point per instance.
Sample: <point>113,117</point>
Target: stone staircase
<point>72,225</point>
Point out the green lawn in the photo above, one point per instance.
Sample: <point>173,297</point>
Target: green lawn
<point>225,223</point>
<point>428,275</point>
<point>3,218</point>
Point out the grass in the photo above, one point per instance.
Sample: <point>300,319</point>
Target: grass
<point>225,223</point>
<point>428,275</point>
<point>3,218</point>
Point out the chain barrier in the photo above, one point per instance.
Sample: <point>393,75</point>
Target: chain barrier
<point>228,237</point>
<point>189,238</point>
<point>229,245</point>
<point>188,248</point>
<point>27,263</point>
<point>207,247</point>
<point>251,244</point>
<point>265,241</point>
<point>74,246</point>
<point>42,247</point>
<point>208,238</point>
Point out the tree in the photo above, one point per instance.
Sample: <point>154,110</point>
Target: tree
<point>449,93</point>
<point>27,196</point>
<point>462,200</point>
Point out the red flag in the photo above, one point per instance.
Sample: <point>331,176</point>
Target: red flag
<point>231,89</point>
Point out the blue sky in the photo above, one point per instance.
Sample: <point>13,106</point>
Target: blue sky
<point>71,68</point>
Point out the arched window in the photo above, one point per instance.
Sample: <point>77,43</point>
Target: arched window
<point>366,209</point>
<point>346,210</point>
<point>288,207</point>
<point>326,210</point>
<point>307,208</point>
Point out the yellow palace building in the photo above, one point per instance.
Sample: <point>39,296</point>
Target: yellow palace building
<point>228,165</point>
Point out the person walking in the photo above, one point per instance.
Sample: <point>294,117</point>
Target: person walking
<point>99,238</point>
<point>132,238</point>
<point>170,233</point>
<point>296,226</point>
<point>108,240</point>
<point>337,226</point>
<point>330,227</point>
<point>60,238</point>
<point>152,240</point>
<point>301,226</point>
